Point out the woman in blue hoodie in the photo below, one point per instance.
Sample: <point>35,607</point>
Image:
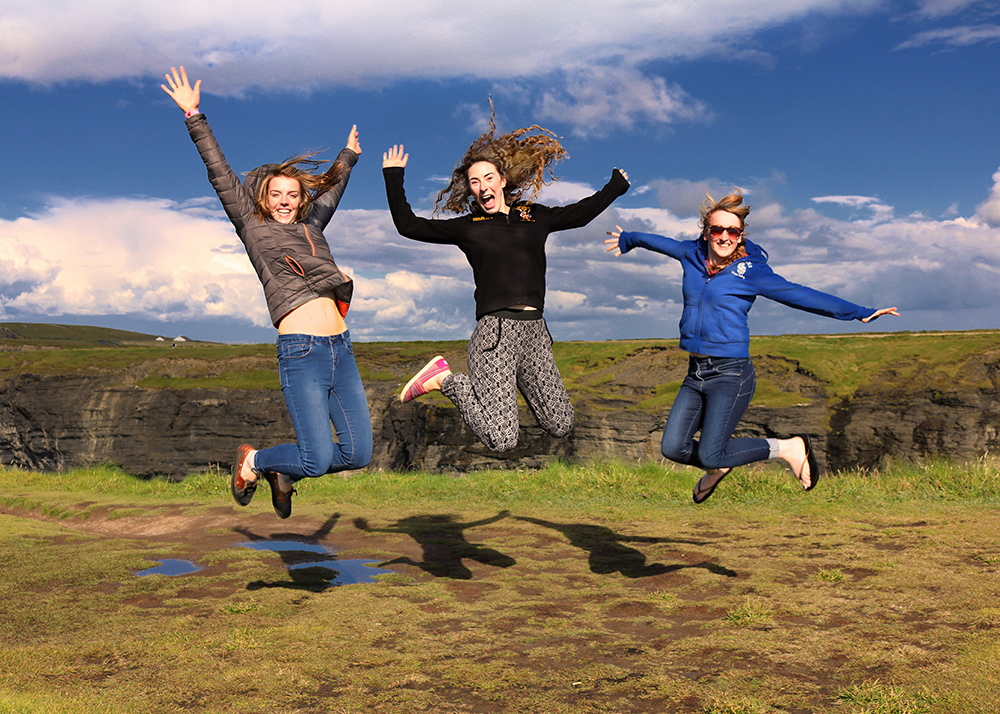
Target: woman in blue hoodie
<point>723,275</point>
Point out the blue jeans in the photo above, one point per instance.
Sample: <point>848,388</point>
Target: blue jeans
<point>715,394</point>
<point>321,384</point>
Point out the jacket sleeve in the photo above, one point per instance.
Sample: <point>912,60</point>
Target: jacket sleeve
<point>324,207</point>
<point>650,241</point>
<point>773,286</point>
<point>410,225</point>
<point>582,212</point>
<point>236,201</point>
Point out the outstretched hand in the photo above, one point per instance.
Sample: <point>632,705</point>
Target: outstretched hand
<point>624,175</point>
<point>612,242</point>
<point>878,313</point>
<point>395,158</point>
<point>354,140</point>
<point>186,97</point>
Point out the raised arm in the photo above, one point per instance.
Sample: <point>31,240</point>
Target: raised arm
<point>407,223</point>
<point>237,203</point>
<point>584,211</point>
<point>326,204</point>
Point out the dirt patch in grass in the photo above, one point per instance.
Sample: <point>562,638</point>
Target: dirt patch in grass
<point>735,611</point>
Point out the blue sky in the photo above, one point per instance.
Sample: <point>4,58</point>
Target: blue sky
<point>863,133</point>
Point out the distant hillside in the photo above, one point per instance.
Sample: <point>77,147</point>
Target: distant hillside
<point>51,334</point>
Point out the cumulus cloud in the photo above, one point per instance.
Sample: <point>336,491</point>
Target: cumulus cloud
<point>242,44</point>
<point>247,46</point>
<point>151,257</point>
<point>598,100</point>
<point>169,261</point>
<point>989,210</point>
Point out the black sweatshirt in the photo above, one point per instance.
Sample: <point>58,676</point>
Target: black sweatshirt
<point>506,251</point>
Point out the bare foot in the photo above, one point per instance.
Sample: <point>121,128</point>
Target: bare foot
<point>706,486</point>
<point>793,452</point>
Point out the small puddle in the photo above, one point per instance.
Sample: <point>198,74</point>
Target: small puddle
<point>171,567</point>
<point>298,555</point>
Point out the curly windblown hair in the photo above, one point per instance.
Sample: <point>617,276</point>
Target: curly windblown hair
<point>301,168</point>
<point>520,159</point>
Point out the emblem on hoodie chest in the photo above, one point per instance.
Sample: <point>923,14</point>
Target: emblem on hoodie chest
<point>524,212</point>
<point>741,268</point>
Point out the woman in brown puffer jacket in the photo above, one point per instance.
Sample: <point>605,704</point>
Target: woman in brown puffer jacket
<point>279,213</point>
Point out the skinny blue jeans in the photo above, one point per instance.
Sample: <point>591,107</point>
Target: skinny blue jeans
<point>715,394</point>
<point>321,384</point>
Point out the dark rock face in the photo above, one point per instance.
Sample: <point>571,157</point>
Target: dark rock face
<point>58,422</point>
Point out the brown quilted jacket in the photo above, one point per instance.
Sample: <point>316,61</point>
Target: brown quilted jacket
<point>293,261</point>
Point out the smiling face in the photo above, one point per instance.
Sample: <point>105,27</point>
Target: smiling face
<point>486,186</point>
<point>721,246</point>
<point>284,197</point>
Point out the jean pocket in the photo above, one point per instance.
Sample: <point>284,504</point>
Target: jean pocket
<point>733,367</point>
<point>294,349</point>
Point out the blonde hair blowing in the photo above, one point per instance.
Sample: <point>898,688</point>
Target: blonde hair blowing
<point>733,203</point>
<point>300,168</point>
<point>521,159</point>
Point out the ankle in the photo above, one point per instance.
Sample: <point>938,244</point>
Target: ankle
<point>250,473</point>
<point>439,380</point>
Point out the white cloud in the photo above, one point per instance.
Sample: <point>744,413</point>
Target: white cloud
<point>935,9</point>
<point>953,37</point>
<point>239,45</point>
<point>167,261</point>
<point>879,211</point>
<point>88,257</point>
<point>598,100</point>
<point>582,68</point>
<point>989,210</point>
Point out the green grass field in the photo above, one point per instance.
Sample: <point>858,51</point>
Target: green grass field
<point>595,588</point>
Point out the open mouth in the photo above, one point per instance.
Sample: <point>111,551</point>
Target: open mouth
<point>488,200</point>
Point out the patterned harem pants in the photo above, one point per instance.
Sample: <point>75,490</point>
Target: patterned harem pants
<point>507,355</point>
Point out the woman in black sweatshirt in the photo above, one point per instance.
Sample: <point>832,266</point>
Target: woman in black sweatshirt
<point>503,234</point>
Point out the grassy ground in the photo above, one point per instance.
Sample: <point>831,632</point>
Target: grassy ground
<point>574,589</point>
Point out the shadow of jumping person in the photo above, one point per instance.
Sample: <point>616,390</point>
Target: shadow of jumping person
<point>608,555</point>
<point>442,539</point>
<point>296,559</point>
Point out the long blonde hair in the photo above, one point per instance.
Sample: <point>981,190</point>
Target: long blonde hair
<point>311,185</point>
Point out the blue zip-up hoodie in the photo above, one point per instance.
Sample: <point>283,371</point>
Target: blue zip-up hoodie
<point>714,321</point>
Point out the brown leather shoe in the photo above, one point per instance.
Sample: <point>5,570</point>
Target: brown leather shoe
<point>281,501</point>
<point>242,489</point>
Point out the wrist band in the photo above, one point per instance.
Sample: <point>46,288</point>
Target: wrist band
<point>188,115</point>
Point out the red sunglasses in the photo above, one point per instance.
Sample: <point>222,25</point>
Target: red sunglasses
<point>733,231</point>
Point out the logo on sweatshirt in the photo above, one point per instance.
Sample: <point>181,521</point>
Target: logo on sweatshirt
<point>525,212</point>
<point>741,269</point>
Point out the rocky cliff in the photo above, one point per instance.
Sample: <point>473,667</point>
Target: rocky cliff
<point>56,421</point>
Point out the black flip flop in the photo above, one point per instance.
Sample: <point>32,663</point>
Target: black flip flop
<point>704,498</point>
<point>811,460</point>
